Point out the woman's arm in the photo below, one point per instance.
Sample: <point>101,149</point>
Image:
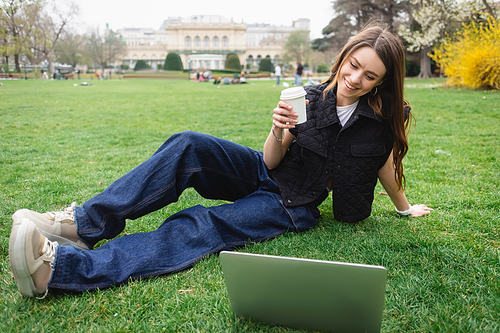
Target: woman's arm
<point>279,139</point>
<point>387,178</point>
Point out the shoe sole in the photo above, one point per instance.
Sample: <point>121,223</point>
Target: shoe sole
<point>18,216</point>
<point>17,256</point>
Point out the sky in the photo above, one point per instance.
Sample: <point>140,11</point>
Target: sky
<point>152,13</point>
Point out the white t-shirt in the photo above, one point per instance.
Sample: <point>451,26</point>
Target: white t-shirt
<point>345,112</point>
<point>277,70</point>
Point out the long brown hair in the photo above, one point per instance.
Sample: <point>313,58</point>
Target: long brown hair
<point>388,102</point>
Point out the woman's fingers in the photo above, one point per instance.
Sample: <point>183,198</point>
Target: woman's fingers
<point>283,122</point>
<point>284,116</point>
<point>419,210</point>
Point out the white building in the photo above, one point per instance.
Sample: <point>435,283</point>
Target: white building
<point>204,41</point>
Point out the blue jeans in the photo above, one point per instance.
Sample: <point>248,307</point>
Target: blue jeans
<point>298,79</point>
<point>277,80</point>
<point>217,169</point>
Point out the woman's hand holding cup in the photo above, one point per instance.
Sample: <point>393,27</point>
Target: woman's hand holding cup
<point>284,116</point>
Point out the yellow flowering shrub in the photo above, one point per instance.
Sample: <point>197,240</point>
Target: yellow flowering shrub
<point>472,57</point>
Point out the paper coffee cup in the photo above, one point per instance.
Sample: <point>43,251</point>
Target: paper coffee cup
<point>296,97</point>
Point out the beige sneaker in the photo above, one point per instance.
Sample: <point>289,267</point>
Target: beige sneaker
<point>31,258</point>
<point>56,226</point>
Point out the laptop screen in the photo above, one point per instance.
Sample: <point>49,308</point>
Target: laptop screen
<point>304,293</point>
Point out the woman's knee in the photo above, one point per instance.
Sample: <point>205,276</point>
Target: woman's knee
<point>182,142</point>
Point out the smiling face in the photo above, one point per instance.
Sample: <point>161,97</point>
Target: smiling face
<point>361,71</point>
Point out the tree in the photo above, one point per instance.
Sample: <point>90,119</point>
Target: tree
<point>297,46</point>
<point>28,28</point>
<point>13,22</point>
<point>51,27</point>
<point>233,62</point>
<point>352,15</point>
<point>34,29</point>
<point>266,65</point>
<point>104,50</point>
<point>323,68</point>
<point>490,9</point>
<point>70,49</point>
<point>3,38</point>
<point>141,64</point>
<point>114,48</point>
<point>173,62</point>
<point>427,25</point>
<point>430,21</point>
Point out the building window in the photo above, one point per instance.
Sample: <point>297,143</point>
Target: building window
<point>215,42</point>
<point>188,41</point>
<point>250,61</point>
<point>206,42</point>
<point>197,41</point>
<point>225,41</point>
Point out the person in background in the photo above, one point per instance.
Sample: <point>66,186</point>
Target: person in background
<point>356,134</point>
<point>298,74</point>
<point>277,72</point>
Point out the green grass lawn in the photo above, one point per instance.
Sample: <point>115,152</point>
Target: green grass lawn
<point>61,143</point>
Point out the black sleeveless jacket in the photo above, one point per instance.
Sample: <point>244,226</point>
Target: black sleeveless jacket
<point>323,149</point>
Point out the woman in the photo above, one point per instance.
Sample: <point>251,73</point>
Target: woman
<point>356,132</point>
<point>359,115</point>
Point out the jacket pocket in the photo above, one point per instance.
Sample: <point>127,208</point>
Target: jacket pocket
<point>313,142</point>
<point>365,159</point>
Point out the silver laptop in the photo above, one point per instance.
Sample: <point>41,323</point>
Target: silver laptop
<point>306,294</point>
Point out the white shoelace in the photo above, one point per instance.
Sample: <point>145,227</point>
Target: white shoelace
<point>67,214</point>
<point>48,255</point>
<point>49,251</point>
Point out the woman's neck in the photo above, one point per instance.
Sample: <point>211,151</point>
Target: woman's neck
<point>345,101</point>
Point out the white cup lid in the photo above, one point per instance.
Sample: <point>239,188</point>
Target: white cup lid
<point>292,93</point>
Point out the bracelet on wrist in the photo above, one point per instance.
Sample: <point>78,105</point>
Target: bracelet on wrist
<point>278,139</point>
<point>405,212</point>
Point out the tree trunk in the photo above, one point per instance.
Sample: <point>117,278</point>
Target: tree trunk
<point>51,66</point>
<point>425,64</point>
<point>16,62</point>
<point>51,56</point>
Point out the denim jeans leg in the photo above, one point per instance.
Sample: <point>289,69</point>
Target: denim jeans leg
<point>216,168</point>
<point>181,240</point>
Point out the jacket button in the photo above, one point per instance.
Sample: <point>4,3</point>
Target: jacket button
<point>327,171</point>
<point>289,201</point>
